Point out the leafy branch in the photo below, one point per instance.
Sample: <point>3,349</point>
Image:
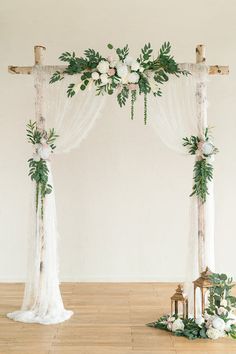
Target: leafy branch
<point>203,173</point>
<point>38,169</point>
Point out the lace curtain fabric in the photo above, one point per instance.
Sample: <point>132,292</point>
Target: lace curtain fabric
<point>174,116</point>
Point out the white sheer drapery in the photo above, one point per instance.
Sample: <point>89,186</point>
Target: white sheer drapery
<point>174,117</point>
<point>72,118</point>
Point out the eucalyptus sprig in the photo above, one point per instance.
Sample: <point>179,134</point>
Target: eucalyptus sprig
<point>204,149</point>
<point>143,75</point>
<point>44,144</point>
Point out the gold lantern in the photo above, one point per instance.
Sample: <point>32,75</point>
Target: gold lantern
<point>179,298</point>
<point>203,283</point>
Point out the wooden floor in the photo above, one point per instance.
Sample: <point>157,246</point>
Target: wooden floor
<point>109,319</point>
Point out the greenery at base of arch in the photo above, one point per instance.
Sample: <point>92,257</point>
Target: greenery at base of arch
<point>121,74</point>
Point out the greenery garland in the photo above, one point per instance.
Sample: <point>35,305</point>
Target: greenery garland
<point>43,143</point>
<point>123,74</point>
<point>217,321</point>
<point>203,168</point>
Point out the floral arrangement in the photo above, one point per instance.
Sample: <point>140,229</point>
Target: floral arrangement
<point>204,150</point>
<point>121,74</point>
<point>43,143</point>
<point>218,320</point>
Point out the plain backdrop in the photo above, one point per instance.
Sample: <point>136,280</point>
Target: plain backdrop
<point>122,197</point>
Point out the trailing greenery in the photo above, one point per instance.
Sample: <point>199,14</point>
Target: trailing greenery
<point>218,319</point>
<point>43,143</point>
<point>142,75</point>
<point>203,168</point>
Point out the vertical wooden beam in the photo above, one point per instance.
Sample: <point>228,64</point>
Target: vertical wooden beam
<point>40,119</point>
<point>39,54</point>
<point>39,59</point>
<point>202,125</point>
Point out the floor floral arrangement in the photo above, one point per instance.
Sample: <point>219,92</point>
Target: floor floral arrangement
<point>218,319</point>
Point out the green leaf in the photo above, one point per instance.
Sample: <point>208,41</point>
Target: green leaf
<point>110,46</point>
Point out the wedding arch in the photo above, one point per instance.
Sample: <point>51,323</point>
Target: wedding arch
<point>180,113</point>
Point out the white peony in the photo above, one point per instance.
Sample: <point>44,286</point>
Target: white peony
<point>207,148</point>
<point>103,67</point>
<point>133,78</point>
<point>95,75</point>
<point>122,70</point>
<point>218,323</point>
<point>223,303</point>
<point>199,321</point>
<point>104,79</point>
<point>44,151</point>
<point>129,61</point>
<point>177,325</point>
<point>214,333</point>
<point>36,157</point>
<point>135,66</point>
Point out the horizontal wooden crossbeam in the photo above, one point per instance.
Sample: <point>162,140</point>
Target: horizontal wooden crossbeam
<point>213,69</point>
<point>39,52</point>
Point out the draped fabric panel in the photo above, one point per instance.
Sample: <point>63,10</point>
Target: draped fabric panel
<point>72,120</point>
<point>174,117</point>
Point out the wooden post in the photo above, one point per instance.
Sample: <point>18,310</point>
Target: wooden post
<point>40,119</point>
<point>38,58</point>
<point>202,125</point>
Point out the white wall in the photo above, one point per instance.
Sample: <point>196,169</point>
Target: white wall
<point>122,197</point>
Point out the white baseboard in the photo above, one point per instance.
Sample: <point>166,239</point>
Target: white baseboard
<point>104,279</point>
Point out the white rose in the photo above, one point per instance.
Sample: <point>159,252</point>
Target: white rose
<point>214,333</point>
<point>104,79</point>
<point>103,67</point>
<point>207,316</point>
<point>95,75</point>
<point>228,326</point>
<point>37,146</point>
<point>124,80</point>
<point>210,159</point>
<point>36,157</point>
<point>177,325</point>
<point>129,61</point>
<point>223,303</point>
<point>44,151</point>
<point>122,70</point>
<point>43,141</point>
<point>133,78</point>
<point>207,148</point>
<point>218,323</point>
<point>199,321</point>
<point>221,311</point>
<point>113,63</point>
<point>135,66</point>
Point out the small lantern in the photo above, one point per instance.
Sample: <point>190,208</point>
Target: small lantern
<point>179,298</point>
<point>203,283</point>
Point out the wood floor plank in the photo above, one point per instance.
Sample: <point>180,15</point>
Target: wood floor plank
<point>109,318</point>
